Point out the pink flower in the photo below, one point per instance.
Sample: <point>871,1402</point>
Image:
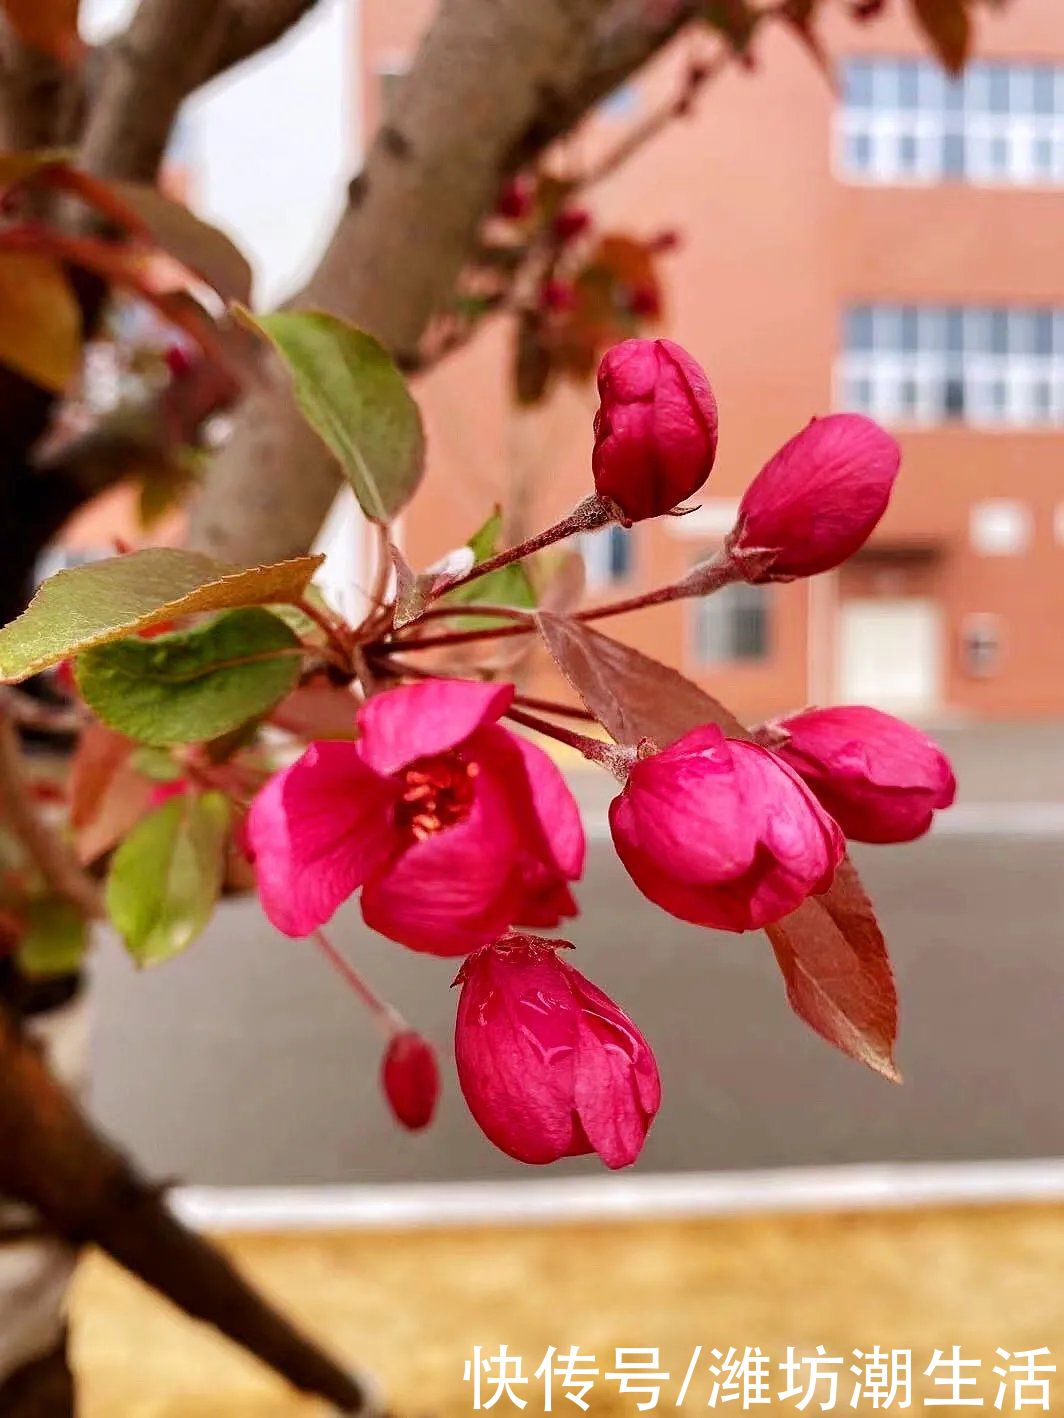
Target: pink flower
<point>817,500</point>
<point>454,828</point>
<point>549,1065</point>
<point>722,833</point>
<point>656,427</point>
<point>881,779</point>
<point>410,1079</point>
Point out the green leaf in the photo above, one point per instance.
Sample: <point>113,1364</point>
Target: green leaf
<point>55,939</point>
<point>108,600</point>
<point>189,686</point>
<point>509,586</point>
<point>356,400</point>
<point>167,875</point>
<point>156,764</point>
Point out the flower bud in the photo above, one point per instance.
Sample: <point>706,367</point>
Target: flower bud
<point>557,295</point>
<point>514,201</point>
<point>410,1079</point>
<point>879,778</point>
<point>570,223</point>
<point>722,833</point>
<point>644,301</point>
<point>549,1065</point>
<point>655,430</point>
<point>816,501</point>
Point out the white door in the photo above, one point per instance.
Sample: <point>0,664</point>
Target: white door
<point>890,653</point>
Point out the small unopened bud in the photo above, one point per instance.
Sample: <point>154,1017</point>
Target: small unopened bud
<point>645,302</point>
<point>557,295</point>
<point>410,1078</point>
<point>655,430</point>
<point>667,240</point>
<point>816,501</point>
<point>515,199</point>
<point>570,222</point>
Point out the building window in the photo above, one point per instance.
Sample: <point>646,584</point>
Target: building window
<point>905,120</point>
<point>929,364</point>
<point>731,625</point>
<point>607,556</point>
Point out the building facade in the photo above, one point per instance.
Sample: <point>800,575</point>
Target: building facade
<point>895,245</point>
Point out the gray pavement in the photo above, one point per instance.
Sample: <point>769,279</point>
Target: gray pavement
<point>247,1062</point>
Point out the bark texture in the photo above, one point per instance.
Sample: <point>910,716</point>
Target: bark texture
<point>492,85</point>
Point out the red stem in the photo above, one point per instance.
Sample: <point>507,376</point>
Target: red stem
<point>607,755</point>
<point>591,513</point>
<point>389,1019</point>
<point>702,581</point>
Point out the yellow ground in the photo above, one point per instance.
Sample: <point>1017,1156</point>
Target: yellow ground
<point>411,1306</point>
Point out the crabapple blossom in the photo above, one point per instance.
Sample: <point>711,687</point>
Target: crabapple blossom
<point>655,429</point>
<point>549,1065</point>
<point>881,779</point>
<point>453,828</point>
<point>410,1078</point>
<point>721,832</point>
<point>816,501</point>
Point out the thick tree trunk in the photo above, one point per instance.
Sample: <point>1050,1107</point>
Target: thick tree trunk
<point>492,84</point>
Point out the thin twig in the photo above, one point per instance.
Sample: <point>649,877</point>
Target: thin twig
<point>389,1018</point>
<point>58,864</point>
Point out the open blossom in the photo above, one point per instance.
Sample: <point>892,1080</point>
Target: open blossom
<point>655,429</point>
<point>454,828</point>
<point>549,1065</point>
<point>410,1078</point>
<point>881,779</point>
<point>722,833</point>
<point>817,500</point>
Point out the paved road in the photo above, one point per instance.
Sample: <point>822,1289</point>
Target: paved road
<point>246,1062</point>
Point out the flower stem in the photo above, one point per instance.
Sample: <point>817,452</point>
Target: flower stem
<point>387,1017</point>
<point>593,512</point>
<point>703,580</point>
<point>607,755</point>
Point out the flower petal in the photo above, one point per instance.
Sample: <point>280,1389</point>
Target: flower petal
<point>617,1086</point>
<point>420,720</point>
<point>457,888</point>
<point>555,807</point>
<point>515,1045</point>
<point>315,832</point>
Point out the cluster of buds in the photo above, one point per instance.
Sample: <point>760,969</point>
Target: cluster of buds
<point>460,836</point>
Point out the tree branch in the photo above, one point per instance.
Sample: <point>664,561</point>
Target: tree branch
<point>40,100</point>
<point>45,847</point>
<point>492,85</point>
<point>86,1192</point>
<point>170,49</point>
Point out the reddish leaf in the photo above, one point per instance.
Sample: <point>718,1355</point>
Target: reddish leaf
<point>119,265</point>
<point>99,754</point>
<point>48,25</point>
<point>169,225</point>
<point>831,952</point>
<point>947,25</point>
<point>633,696</point>
<point>837,972</point>
<point>318,710</point>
